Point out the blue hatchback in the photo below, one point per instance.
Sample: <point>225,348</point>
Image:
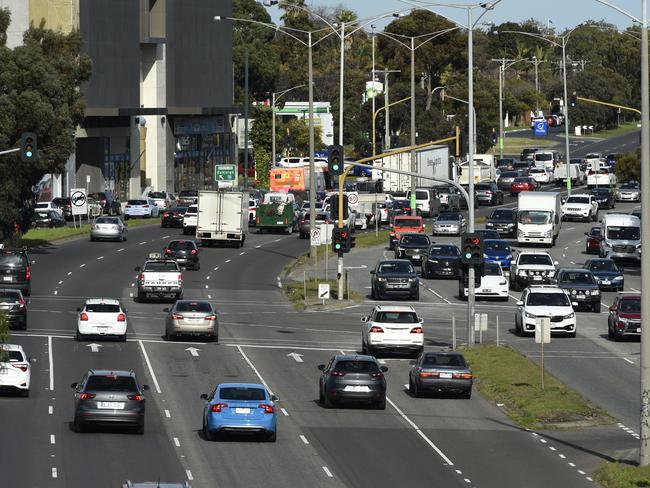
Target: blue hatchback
<point>245,408</point>
<point>497,251</point>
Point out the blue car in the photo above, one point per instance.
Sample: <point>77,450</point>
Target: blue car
<point>245,408</point>
<point>497,251</point>
<point>608,274</point>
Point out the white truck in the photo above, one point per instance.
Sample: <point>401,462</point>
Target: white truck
<point>432,162</point>
<point>159,277</point>
<point>222,218</point>
<point>621,236</point>
<point>539,217</point>
<point>577,175</point>
<point>484,169</point>
<point>580,206</point>
<point>366,208</point>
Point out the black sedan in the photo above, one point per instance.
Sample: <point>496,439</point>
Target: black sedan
<point>605,197</point>
<point>14,307</point>
<point>47,219</point>
<point>185,253</point>
<point>443,261</point>
<point>173,217</point>
<point>399,207</point>
<point>441,372</point>
<point>352,378</point>
<point>394,277</point>
<point>504,221</point>
<point>413,247</point>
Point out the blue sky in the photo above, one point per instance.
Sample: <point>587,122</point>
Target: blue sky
<point>563,13</point>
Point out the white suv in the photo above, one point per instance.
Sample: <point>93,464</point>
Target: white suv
<point>581,207</point>
<point>392,328</point>
<point>190,219</point>
<point>545,301</point>
<point>101,317</point>
<point>15,369</point>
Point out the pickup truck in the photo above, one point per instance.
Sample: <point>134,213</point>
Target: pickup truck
<point>580,207</point>
<point>159,277</point>
<point>404,224</point>
<point>276,213</point>
<point>601,177</point>
<point>531,268</point>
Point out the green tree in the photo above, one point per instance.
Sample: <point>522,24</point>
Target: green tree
<point>628,167</point>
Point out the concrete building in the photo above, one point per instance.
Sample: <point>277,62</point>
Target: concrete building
<point>159,101</point>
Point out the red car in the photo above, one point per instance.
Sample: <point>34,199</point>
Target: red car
<point>523,183</point>
<point>624,316</point>
<point>593,241</point>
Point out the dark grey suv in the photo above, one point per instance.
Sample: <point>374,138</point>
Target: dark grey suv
<point>394,277</point>
<point>581,286</point>
<point>352,378</point>
<point>106,397</point>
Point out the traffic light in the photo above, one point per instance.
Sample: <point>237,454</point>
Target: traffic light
<point>494,137</point>
<point>472,249</point>
<point>28,150</point>
<point>573,100</point>
<point>335,160</point>
<point>342,240</point>
<point>334,206</point>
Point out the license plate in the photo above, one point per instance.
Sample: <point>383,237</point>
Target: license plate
<point>111,405</point>
<point>357,388</point>
<point>6,278</point>
<point>4,370</point>
<point>102,330</point>
<point>487,290</point>
<point>242,410</point>
<point>416,256</point>
<point>160,288</point>
<point>445,375</point>
<point>279,223</point>
<point>537,278</point>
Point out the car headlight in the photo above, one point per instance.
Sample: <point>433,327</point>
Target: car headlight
<point>510,225</point>
<point>530,315</point>
<point>412,279</point>
<point>522,272</point>
<point>587,292</point>
<point>489,224</point>
<point>595,292</point>
<point>520,232</point>
<point>547,233</point>
<point>433,261</point>
<point>509,257</point>
<point>381,280</point>
<point>618,278</point>
<point>573,292</point>
<point>570,316</point>
<point>485,256</point>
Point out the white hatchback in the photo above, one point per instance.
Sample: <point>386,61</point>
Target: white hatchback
<point>15,369</point>
<point>102,317</point>
<point>494,284</point>
<point>190,219</point>
<point>392,328</point>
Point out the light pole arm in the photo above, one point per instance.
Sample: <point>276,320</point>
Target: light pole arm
<point>374,118</point>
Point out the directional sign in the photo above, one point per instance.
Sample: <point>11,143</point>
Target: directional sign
<point>193,351</point>
<point>541,127</point>
<point>79,201</point>
<point>94,347</point>
<point>225,172</point>
<point>296,357</point>
<point>324,291</point>
<point>314,237</point>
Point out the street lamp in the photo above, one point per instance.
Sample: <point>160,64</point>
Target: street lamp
<point>504,64</point>
<point>275,96</point>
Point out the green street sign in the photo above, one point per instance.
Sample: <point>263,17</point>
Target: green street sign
<point>225,172</point>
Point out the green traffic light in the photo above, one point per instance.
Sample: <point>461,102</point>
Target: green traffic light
<point>28,154</point>
<point>468,255</point>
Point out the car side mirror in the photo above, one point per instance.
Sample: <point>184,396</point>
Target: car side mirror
<point>275,398</point>
<point>364,319</point>
<point>74,385</point>
<point>166,309</point>
<point>555,263</point>
<point>520,303</point>
<point>204,396</point>
<point>321,367</point>
<point>383,368</point>
<point>145,387</point>
<point>421,320</point>
<point>587,233</point>
<point>137,268</point>
<point>372,272</point>
<point>412,362</point>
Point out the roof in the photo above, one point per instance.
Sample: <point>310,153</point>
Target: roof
<point>354,357</point>
<point>12,347</point>
<point>545,253</point>
<point>114,372</point>
<point>579,195</point>
<point>546,289</point>
<point>242,385</point>
<point>574,270</point>
<point>621,219</point>
<point>394,308</point>
<point>110,301</point>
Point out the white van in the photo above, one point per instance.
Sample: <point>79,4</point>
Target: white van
<point>427,201</point>
<point>547,159</point>
<point>621,236</point>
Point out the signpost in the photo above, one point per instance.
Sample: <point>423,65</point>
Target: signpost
<point>79,202</point>
<point>543,336</point>
<point>225,175</point>
<point>541,128</point>
<point>324,291</point>
<point>480,324</point>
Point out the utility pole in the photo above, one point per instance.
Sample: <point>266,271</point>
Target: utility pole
<point>470,172</point>
<point>503,65</point>
<point>387,114</point>
<point>246,121</point>
<point>414,163</point>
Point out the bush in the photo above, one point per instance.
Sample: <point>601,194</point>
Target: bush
<point>628,167</point>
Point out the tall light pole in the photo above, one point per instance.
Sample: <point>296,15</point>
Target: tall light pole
<point>275,97</point>
<point>246,120</point>
<point>503,65</point>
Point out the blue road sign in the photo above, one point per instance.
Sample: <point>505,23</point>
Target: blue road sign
<point>541,128</point>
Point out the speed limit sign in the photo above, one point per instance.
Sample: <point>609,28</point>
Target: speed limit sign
<point>353,198</point>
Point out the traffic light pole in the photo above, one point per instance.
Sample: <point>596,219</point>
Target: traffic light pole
<point>10,151</point>
<point>339,267</point>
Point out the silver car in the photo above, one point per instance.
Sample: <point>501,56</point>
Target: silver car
<point>449,223</point>
<point>192,317</point>
<point>108,228</point>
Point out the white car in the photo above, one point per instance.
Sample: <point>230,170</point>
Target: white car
<point>43,207</point>
<point>103,317</point>
<point>494,284</point>
<point>545,301</point>
<point>629,192</point>
<point>580,207</point>
<point>160,198</point>
<point>15,369</point>
<point>252,210</point>
<point>392,328</point>
<point>542,175</point>
<point>141,208</point>
<point>190,219</point>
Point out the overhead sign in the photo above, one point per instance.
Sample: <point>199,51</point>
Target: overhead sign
<point>225,172</point>
<point>543,330</point>
<point>541,127</point>
<point>79,201</point>
<point>314,237</point>
<point>323,291</point>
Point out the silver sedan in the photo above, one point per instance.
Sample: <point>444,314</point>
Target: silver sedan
<point>111,228</point>
<point>449,223</point>
<point>192,317</point>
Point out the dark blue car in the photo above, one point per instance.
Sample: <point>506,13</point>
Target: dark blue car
<point>608,274</point>
<point>497,251</point>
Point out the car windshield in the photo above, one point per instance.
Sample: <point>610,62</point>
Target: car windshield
<point>444,251</point>
<point>595,231</point>
<point>543,157</point>
<point>192,210</point>
<point>396,267</point>
<point>102,308</point>
<point>579,277</point>
<point>502,215</point>
<point>242,393</point>
<point>444,360</point>
<point>397,317</point>
<point>501,246</point>
<point>630,186</point>
<point>11,260</point>
<point>106,220</point>
<point>548,300</point>
<point>136,202</point>
<point>482,187</point>
<point>356,367</point>
<point>449,216</point>
<point>509,174</point>
<point>630,305</point>
<point>407,223</point>
<point>600,192</point>
<point>492,269</point>
<point>157,194</point>
<point>603,265</point>
<point>538,217</point>
<point>181,245</point>
<point>161,266</point>
<point>111,383</point>
<point>539,259</point>
<point>186,306</point>
<point>623,233</point>
<point>417,240</point>
<point>9,297</point>
<point>577,200</point>
<point>188,193</point>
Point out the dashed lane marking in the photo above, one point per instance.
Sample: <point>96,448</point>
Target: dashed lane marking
<point>189,475</point>
<point>54,473</point>
<point>628,360</point>
<point>304,439</point>
<point>52,439</point>
<point>82,265</point>
<point>120,250</point>
<point>327,471</point>
<point>242,253</point>
<point>61,282</point>
<point>177,442</point>
<point>216,268</point>
<point>69,273</point>
<point>165,237</point>
<point>167,414</point>
<point>50,409</point>
<point>56,292</point>
<point>228,260</point>
<point>142,243</point>
<point>284,411</point>
<point>100,258</point>
<point>258,246</point>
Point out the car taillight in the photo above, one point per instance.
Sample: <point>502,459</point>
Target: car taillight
<point>128,206</point>
<point>68,206</point>
<point>21,302</point>
<point>257,220</point>
<point>121,318</point>
<point>168,252</point>
<point>621,325</point>
<point>302,222</point>
<point>193,252</point>
<point>217,407</point>
<point>337,373</point>
<point>145,206</point>
<point>86,396</point>
<point>22,367</point>
<point>210,317</point>
<point>375,328</point>
<point>267,408</point>
<point>424,374</point>
<point>83,317</point>
<point>286,221</point>
<point>141,276</point>
<point>137,398</point>
<point>462,376</point>
<point>176,316</point>
<point>180,278</point>
<point>377,374</point>
<point>28,273</point>
<point>417,330</point>
<point>167,215</point>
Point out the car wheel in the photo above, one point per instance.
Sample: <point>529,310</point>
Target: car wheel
<point>517,327</point>
<point>78,336</point>
<point>77,425</point>
<point>139,429</point>
<point>327,403</point>
<point>467,394</point>
<point>416,296</point>
<point>321,396</point>
<point>123,338</point>
<point>572,335</point>
<point>92,239</point>
<point>411,386</point>
<point>364,348</point>
<point>417,392</point>
<point>381,404</point>
<point>610,332</point>
<point>271,437</point>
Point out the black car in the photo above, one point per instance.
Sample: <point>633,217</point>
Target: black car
<point>352,378</point>
<point>185,253</point>
<point>528,154</point>
<point>64,204</point>
<point>413,247</point>
<point>15,271</point>
<point>13,305</point>
<point>504,221</point>
<point>49,219</point>
<point>187,197</point>
<point>394,277</point>
<point>488,192</point>
<point>488,234</point>
<point>108,201</point>
<point>443,261</point>
<point>399,207</point>
<point>441,372</point>
<point>107,397</point>
<point>506,178</point>
<point>173,217</point>
<point>605,197</point>
<point>581,286</point>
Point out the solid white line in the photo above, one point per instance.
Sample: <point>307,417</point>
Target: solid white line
<point>257,373</point>
<point>242,253</point>
<point>51,360</point>
<point>277,240</point>
<point>571,228</point>
<point>54,473</point>
<point>167,414</point>
<point>286,414</point>
<point>50,409</point>
<point>635,290</point>
<point>417,429</point>
<point>52,439</point>
<point>327,471</point>
<point>100,258</point>
<point>177,442</point>
<point>626,359</point>
<point>144,242</point>
<point>120,250</point>
<point>304,439</point>
<point>228,260</point>
<point>82,265</point>
<point>153,375</point>
<point>189,475</point>
<point>61,282</point>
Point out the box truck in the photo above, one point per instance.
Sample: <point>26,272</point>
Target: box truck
<point>222,217</point>
<point>539,217</point>
<point>431,162</point>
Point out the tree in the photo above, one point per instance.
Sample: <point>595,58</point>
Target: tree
<point>628,167</point>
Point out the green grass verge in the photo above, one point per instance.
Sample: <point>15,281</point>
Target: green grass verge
<point>618,475</point>
<point>507,377</point>
<point>606,134</point>
<point>514,145</point>
<point>295,292</point>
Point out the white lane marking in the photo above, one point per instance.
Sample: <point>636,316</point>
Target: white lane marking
<point>51,360</point>
<point>466,480</point>
<point>50,409</point>
<point>588,478</point>
<point>635,290</point>
<point>206,287</point>
<point>189,475</point>
<point>578,242</point>
<point>458,471</point>
<point>100,258</point>
<point>153,375</point>
<point>562,456</point>
<point>61,282</point>
<point>216,268</point>
<point>626,359</point>
<point>420,433</point>
<point>120,250</point>
<point>56,292</point>
<point>513,297</point>
<point>571,228</point>
<point>131,295</point>
<point>177,442</point>
<point>207,277</point>
<point>228,260</point>
<point>566,248</point>
<point>52,439</point>
<point>543,441</point>
<point>257,373</point>
<point>258,246</point>
<point>552,448</point>
<point>165,237</point>
<point>82,265</point>
<point>242,253</point>
<point>167,414</point>
<point>438,295</point>
<point>54,473</point>
<point>304,439</point>
<point>286,414</point>
<point>209,297</point>
<point>277,240</point>
<point>581,472</point>
<point>327,471</point>
<point>143,242</point>
<point>69,273</point>
<point>572,465</point>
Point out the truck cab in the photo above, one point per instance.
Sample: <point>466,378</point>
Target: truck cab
<point>621,237</point>
<point>539,217</point>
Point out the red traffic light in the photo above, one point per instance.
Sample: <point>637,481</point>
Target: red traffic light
<point>344,235</point>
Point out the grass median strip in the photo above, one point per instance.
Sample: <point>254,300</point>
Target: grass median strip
<point>295,292</point>
<point>511,379</point>
<point>620,475</point>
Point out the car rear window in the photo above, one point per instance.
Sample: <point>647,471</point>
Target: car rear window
<point>182,245</point>
<point>444,360</point>
<point>421,195</point>
<point>11,356</point>
<point>357,366</point>
<point>102,307</point>
<point>188,193</point>
<point>397,317</point>
<point>630,305</point>
<point>10,259</point>
<point>161,266</point>
<point>157,194</point>
<point>9,297</point>
<point>193,307</point>
<point>407,223</point>
<point>111,383</point>
<point>105,220</point>
<point>242,394</point>
<point>136,202</point>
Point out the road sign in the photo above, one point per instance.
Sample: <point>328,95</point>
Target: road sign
<point>541,127</point>
<point>353,198</point>
<point>79,201</point>
<point>326,233</point>
<point>314,237</point>
<point>225,172</point>
<point>323,291</point>
<point>480,322</point>
<point>543,330</point>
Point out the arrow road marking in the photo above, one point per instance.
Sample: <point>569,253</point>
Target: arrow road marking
<point>193,351</point>
<point>94,347</point>
<point>296,356</point>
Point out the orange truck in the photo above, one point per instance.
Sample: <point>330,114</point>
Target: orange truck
<point>403,224</point>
